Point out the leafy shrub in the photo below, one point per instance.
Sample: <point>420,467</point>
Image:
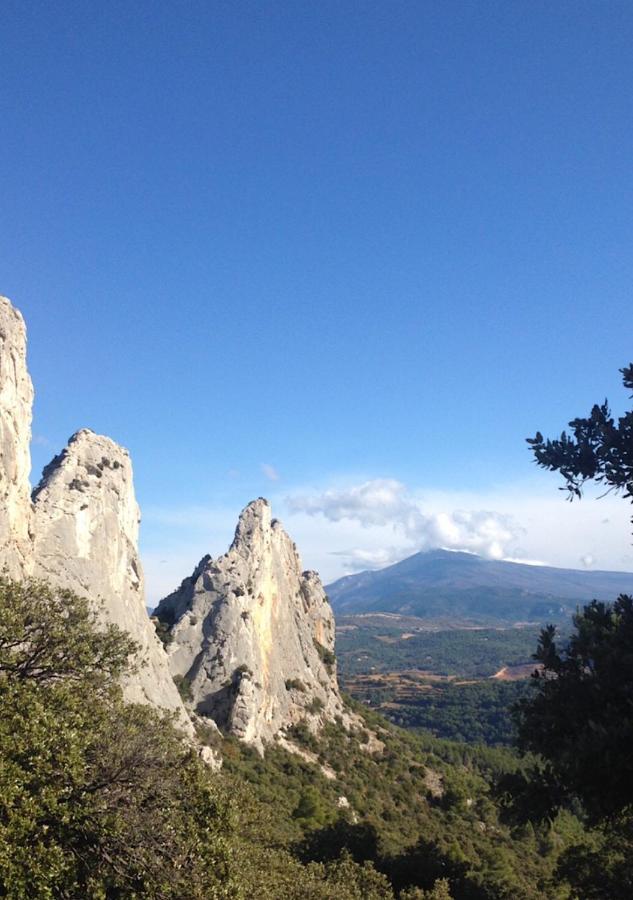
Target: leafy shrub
<point>184,688</point>
<point>98,798</point>
<point>326,656</point>
<point>163,631</point>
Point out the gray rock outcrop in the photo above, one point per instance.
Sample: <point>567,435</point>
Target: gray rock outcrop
<point>253,635</point>
<point>16,402</point>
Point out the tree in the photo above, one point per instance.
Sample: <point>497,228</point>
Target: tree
<point>580,718</point>
<point>599,450</point>
<point>98,798</point>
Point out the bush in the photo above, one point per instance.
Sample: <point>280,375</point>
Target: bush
<point>97,798</point>
<point>184,688</point>
<point>163,630</point>
<point>326,656</point>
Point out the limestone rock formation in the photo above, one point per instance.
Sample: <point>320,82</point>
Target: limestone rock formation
<point>85,537</point>
<point>81,529</point>
<point>253,635</point>
<point>16,401</point>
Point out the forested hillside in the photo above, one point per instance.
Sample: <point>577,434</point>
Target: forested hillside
<point>105,799</point>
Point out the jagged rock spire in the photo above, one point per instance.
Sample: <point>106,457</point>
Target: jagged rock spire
<point>254,635</point>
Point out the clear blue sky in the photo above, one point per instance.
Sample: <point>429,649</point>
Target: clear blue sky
<point>348,240</point>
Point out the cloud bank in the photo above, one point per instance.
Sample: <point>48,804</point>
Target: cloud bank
<point>387,502</point>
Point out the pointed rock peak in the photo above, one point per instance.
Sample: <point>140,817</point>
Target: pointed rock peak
<point>254,519</point>
<point>9,314</point>
<point>253,635</point>
<point>85,526</point>
<point>88,461</point>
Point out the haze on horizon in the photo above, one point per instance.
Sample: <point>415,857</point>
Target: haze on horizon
<point>346,256</point>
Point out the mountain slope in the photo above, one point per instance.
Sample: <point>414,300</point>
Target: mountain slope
<point>454,588</point>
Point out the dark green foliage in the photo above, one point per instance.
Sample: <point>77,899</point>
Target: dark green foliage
<point>184,688</point>
<point>439,891</point>
<point>476,713</point>
<point>97,798</point>
<point>467,652</point>
<point>163,630</point>
<point>392,808</point>
<point>473,712</point>
<point>327,657</point>
<point>581,716</point>
<point>359,839</point>
<point>311,809</point>
<point>600,867</point>
<point>100,799</point>
<point>599,449</point>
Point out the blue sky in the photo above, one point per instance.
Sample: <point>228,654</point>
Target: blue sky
<point>347,255</point>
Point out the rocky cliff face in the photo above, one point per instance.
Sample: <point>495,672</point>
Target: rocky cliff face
<point>81,529</point>
<point>16,401</point>
<point>85,537</point>
<point>253,635</point>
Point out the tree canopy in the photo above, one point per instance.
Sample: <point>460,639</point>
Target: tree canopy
<point>97,798</point>
<point>580,717</point>
<point>598,449</point>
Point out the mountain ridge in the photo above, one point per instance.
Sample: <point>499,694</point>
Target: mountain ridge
<point>447,584</point>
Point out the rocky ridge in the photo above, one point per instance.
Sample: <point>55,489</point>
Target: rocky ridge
<point>253,635</point>
<point>79,530</point>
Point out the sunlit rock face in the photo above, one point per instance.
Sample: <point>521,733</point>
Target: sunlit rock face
<point>80,529</point>
<point>16,403</point>
<point>253,635</point>
<point>85,529</point>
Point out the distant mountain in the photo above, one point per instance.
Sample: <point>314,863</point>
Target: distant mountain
<point>460,588</point>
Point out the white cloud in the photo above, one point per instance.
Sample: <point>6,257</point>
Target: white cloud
<point>270,472</point>
<point>525,562</point>
<point>359,558</point>
<point>387,502</point>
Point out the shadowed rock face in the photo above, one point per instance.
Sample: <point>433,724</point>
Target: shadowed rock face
<point>254,635</point>
<point>16,402</point>
<point>81,529</point>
